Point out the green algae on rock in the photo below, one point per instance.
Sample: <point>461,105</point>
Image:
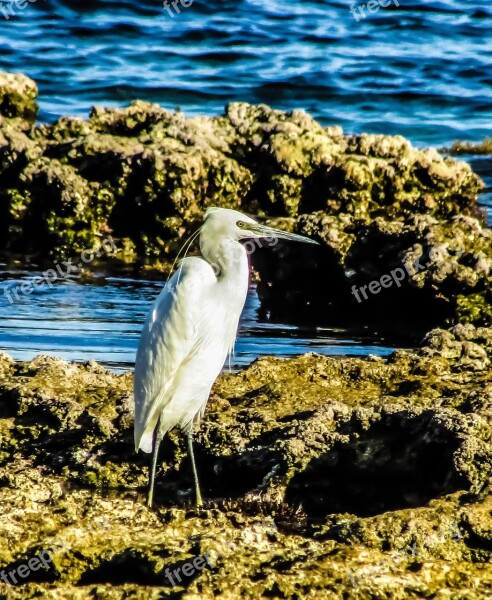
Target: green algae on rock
<point>467,148</point>
<point>18,95</point>
<point>352,462</point>
<point>145,173</point>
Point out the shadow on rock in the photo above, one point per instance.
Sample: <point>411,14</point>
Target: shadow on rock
<point>402,461</point>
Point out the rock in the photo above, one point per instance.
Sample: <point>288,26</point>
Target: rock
<point>143,176</point>
<point>18,96</point>
<point>460,148</point>
<point>146,175</point>
<point>430,270</point>
<point>323,477</point>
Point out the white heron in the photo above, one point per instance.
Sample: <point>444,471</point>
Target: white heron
<point>191,329</point>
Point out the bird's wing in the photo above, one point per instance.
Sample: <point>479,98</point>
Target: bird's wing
<point>175,330</point>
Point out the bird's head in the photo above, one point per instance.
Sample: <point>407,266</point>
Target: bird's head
<point>231,224</point>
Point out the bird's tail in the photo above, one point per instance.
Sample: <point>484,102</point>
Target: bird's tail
<point>144,433</point>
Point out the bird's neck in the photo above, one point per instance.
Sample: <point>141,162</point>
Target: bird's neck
<point>228,258</point>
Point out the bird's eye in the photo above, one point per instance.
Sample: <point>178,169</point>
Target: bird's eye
<point>241,224</point>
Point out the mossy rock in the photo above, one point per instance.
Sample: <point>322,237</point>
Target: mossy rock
<point>145,175</point>
<point>480,149</point>
<point>443,272</point>
<point>322,477</point>
<point>153,165</point>
<point>18,95</point>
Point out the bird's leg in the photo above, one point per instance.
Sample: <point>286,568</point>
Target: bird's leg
<point>199,501</point>
<point>157,443</point>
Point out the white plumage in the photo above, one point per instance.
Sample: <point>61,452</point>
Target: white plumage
<point>191,329</point>
<point>183,347</point>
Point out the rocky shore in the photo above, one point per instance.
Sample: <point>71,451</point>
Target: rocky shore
<point>145,175</point>
<point>322,477</point>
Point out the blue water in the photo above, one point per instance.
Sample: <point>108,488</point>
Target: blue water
<point>103,323</point>
<point>422,69</point>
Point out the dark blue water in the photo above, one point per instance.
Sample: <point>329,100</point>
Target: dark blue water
<point>422,69</point>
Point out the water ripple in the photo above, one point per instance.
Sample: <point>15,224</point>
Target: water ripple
<point>423,69</point>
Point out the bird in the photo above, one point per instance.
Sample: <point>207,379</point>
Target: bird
<point>191,329</point>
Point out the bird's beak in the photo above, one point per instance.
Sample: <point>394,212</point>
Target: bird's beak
<point>262,231</point>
